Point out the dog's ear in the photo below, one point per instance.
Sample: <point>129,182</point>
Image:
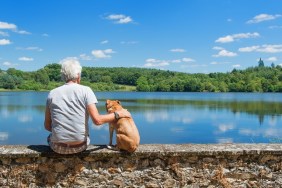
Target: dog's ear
<point>107,101</point>
<point>118,101</point>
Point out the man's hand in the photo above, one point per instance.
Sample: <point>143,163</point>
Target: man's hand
<point>123,113</point>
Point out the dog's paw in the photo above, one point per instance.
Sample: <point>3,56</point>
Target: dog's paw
<point>111,147</point>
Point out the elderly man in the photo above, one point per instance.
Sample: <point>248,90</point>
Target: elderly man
<point>68,108</point>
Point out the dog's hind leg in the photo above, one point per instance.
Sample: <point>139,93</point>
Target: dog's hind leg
<point>125,143</point>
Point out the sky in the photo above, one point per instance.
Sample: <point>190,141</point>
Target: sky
<point>192,36</point>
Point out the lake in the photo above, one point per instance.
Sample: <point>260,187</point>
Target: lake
<point>163,118</point>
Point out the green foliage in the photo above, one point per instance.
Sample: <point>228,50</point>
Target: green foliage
<point>8,81</point>
<point>254,79</point>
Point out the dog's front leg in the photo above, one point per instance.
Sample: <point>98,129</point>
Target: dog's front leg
<point>111,131</point>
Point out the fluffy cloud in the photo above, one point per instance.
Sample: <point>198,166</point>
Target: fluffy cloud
<point>178,50</point>
<point>129,42</point>
<point>13,27</point>
<point>100,54</point>
<point>5,25</point>
<point>25,59</point>
<point>275,27</point>
<point>187,59</point>
<point>232,38</point>
<point>263,17</point>
<point>272,59</point>
<point>9,64</point>
<point>223,53</point>
<point>30,48</point>
<point>156,63</point>
<point>23,32</point>
<point>104,42</point>
<point>85,57</point>
<point>266,48</point>
<point>4,34</point>
<point>119,18</point>
<point>151,62</point>
<point>236,66</point>
<point>5,42</point>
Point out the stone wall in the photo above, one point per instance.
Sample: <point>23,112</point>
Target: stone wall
<point>189,165</point>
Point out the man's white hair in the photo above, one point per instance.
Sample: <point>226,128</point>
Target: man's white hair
<point>71,69</point>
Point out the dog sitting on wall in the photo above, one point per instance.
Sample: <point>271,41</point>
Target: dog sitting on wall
<point>127,135</point>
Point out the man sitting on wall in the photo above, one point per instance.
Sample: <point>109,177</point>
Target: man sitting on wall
<point>67,112</point>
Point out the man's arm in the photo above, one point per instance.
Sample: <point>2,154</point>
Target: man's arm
<point>48,121</point>
<point>99,119</point>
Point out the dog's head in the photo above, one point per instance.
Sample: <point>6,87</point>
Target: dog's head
<point>113,105</point>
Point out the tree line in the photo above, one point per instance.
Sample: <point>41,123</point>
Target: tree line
<point>253,79</point>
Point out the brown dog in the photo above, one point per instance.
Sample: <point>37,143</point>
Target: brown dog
<point>127,135</point>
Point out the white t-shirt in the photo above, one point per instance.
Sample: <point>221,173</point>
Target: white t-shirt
<point>68,106</point>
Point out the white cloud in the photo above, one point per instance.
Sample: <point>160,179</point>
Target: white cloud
<point>266,48</point>
<point>45,35</point>
<point>275,27</point>
<point>156,63</point>
<point>218,63</point>
<point>151,62</point>
<point>263,17</point>
<point>214,63</point>
<point>178,50</point>
<point>176,61</point>
<point>13,27</point>
<point>30,48</point>
<point>217,48</point>
<point>225,39</point>
<point>232,38</point>
<point>119,18</point>
<point>4,42</point>
<point>236,66</point>
<point>187,59</point>
<point>6,63</point>
<point>100,54</point>
<point>5,25</point>
<point>104,42</point>
<point>272,59</point>
<point>23,32</point>
<point>129,42</point>
<point>9,64</point>
<point>85,57</point>
<point>248,49</point>
<point>25,59</point>
<point>4,34</point>
<point>225,53</point>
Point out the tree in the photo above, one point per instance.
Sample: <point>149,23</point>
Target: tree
<point>142,84</point>
<point>42,77</point>
<point>7,81</point>
<point>260,63</point>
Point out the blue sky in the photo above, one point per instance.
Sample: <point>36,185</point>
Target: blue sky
<point>193,36</point>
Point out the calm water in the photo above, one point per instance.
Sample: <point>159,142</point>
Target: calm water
<point>160,117</point>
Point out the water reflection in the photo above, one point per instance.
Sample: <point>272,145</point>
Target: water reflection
<point>160,117</point>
